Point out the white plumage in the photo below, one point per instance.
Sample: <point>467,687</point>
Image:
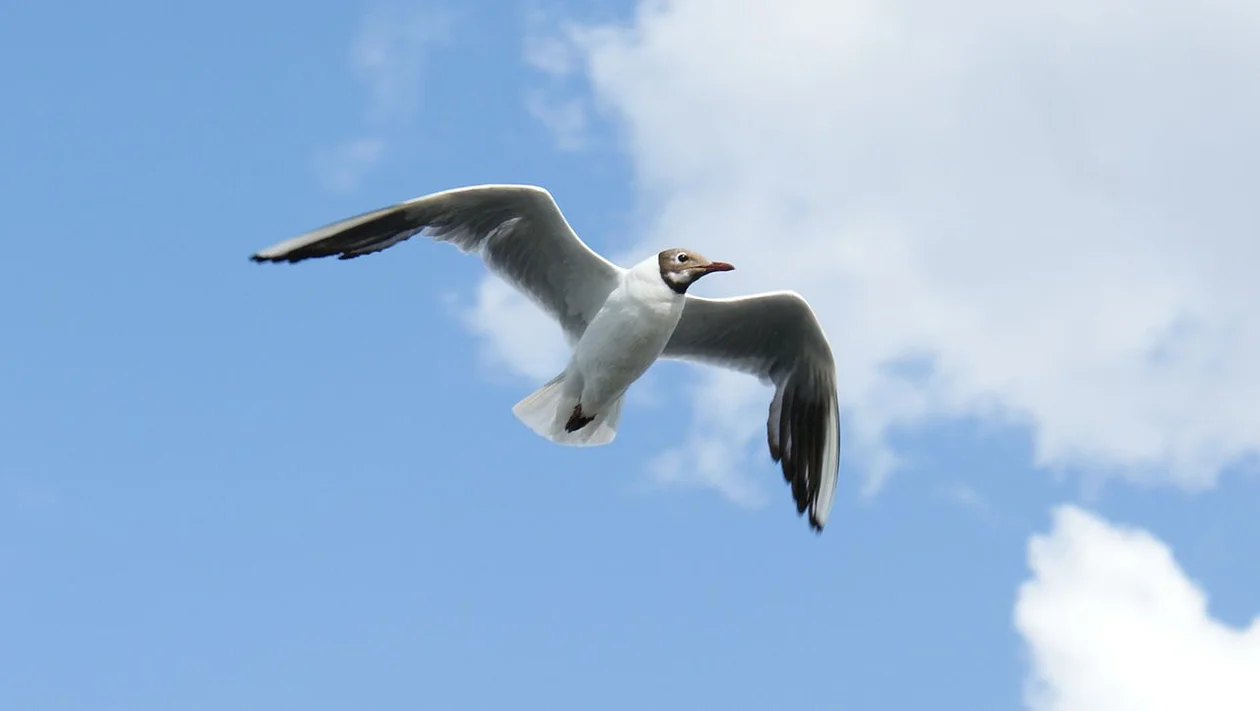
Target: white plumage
<point>624,339</point>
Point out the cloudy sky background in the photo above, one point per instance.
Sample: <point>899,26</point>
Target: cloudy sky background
<point>1029,230</point>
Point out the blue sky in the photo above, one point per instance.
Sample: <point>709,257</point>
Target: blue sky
<point>225,485</point>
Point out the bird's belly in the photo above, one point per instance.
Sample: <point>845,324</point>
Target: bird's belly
<point>617,348</point>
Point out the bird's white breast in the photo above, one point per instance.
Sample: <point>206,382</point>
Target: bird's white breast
<point>626,336</point>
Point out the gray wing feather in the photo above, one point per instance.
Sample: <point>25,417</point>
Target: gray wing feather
<point>777,338</point>
<point>518,230</point>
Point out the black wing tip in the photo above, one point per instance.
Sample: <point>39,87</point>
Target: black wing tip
<point>814,524</point>
<point>810,504</point>
<point>275,260</point>
<point>801,497</point>
<point>259,258</point>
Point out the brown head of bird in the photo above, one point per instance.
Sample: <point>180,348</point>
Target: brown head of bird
<point>680,268</point>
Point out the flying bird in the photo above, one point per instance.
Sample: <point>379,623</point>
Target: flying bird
<point>619,321</point>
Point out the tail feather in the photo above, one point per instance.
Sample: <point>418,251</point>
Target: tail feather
<point>546,410</point>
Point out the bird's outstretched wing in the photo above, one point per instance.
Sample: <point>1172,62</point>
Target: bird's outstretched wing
<point>517,230</point>
<point>776,337</point>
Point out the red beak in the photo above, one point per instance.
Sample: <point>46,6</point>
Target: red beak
<point>718,267</point>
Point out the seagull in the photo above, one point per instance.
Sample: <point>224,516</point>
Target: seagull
<point>619,321</point>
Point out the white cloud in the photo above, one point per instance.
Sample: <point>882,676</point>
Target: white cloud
<point>516,334</point>
<point>566,118</point>
<point>564,114</point>
<point>545,51</point>
<point>388,55</point>
<point>712,455</point>
<point>1113,624</point>
<point>1049,203</point>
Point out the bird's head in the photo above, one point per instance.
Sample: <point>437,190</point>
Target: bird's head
<point>680,268</point>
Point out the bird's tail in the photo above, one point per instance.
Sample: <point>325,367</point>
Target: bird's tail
<point>547,409</point>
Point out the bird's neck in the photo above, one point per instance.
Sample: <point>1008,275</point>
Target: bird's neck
<point>649,270</point>
<point>645,279</point>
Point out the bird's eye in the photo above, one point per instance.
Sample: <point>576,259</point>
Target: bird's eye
<point>683,258</point>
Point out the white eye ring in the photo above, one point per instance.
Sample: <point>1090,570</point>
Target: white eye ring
<point>682,258</point>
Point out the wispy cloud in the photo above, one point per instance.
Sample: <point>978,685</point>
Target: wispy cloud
<point>517,334</point>
<point>709,456</point>
<point>969,499</point>
<point>566,118</point>
<point>709,462</point>
<point>388,55</point>
<point>556,105</point>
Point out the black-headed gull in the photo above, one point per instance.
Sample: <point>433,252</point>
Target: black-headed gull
<point>619,321</point>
